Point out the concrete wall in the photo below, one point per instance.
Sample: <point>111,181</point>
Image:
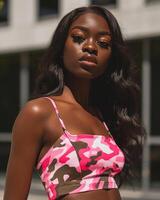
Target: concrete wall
<point>137,20</point>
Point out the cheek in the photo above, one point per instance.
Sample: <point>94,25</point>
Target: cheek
<point>106,56</point>
<point>70,54</point>
<point>104,59</point>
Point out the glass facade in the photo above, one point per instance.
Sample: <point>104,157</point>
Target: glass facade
<point>47,7</point>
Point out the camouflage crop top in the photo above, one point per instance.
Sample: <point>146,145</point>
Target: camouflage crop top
<point>80,163</point>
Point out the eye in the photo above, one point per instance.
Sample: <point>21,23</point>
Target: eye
<point>78,39</point>
<point>104,45</point>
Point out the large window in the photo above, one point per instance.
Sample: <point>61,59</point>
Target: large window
<point>47,7</point>
<point>9,102</point>
<point>3,11</point>
<point>9,87</point>
<point>104,2</point>
<point>155,83</point>
<point>12,83</point>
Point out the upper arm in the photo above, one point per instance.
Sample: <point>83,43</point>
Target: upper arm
<point>25,146</point>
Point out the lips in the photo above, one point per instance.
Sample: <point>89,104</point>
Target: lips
<point>88,60</point>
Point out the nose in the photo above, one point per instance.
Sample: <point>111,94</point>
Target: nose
<point>90,47</point>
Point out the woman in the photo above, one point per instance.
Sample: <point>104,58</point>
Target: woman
<point>85,82</point>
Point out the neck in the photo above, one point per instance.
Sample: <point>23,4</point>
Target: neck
<point>79,89</point>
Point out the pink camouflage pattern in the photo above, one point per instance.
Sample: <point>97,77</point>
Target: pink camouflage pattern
<point>80,163</point>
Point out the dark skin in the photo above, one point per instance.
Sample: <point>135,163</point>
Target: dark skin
<point>37,127</point>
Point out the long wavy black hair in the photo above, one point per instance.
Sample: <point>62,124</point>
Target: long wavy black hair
<point>115,93</point>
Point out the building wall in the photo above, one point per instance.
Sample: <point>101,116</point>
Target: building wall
<point>135,17</point>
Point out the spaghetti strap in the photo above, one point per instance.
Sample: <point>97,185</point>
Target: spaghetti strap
<point>57,112</point>
<point>107,128</point>
<point>104,123</point>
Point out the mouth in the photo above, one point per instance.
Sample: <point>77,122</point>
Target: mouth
<point>88,60</point>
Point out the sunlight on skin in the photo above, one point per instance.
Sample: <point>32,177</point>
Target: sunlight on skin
<point>36,108</point>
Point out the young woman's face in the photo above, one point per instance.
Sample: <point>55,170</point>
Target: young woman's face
<point>88,46</point>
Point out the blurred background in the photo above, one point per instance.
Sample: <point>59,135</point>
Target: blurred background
<point>26,28</point>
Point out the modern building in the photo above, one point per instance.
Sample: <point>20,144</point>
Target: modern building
<point>26,28</point>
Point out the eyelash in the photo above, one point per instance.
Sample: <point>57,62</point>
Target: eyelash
<point>80,39</point>
<point>105,45</point>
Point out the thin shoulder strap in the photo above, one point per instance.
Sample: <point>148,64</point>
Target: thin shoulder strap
<point>107,128</point>
<point>57,112</point>
<point>105,125</point>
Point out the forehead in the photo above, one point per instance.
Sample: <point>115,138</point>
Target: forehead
<point>92,21</point>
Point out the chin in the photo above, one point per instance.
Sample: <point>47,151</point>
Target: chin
<point>86,75</point>
<point>82,73</point>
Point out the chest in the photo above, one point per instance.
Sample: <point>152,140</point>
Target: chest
<point>77,120</point>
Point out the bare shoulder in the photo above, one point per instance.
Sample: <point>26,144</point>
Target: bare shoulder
<point>37,109</point>
<point>27,139</point>
<point>33,116</point>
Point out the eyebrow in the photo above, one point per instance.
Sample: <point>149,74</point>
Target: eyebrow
<point>83,28</point>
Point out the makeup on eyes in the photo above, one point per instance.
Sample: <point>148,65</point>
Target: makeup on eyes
<point>78,36</point>
<point>80,33</point>
<point>104,44</point>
